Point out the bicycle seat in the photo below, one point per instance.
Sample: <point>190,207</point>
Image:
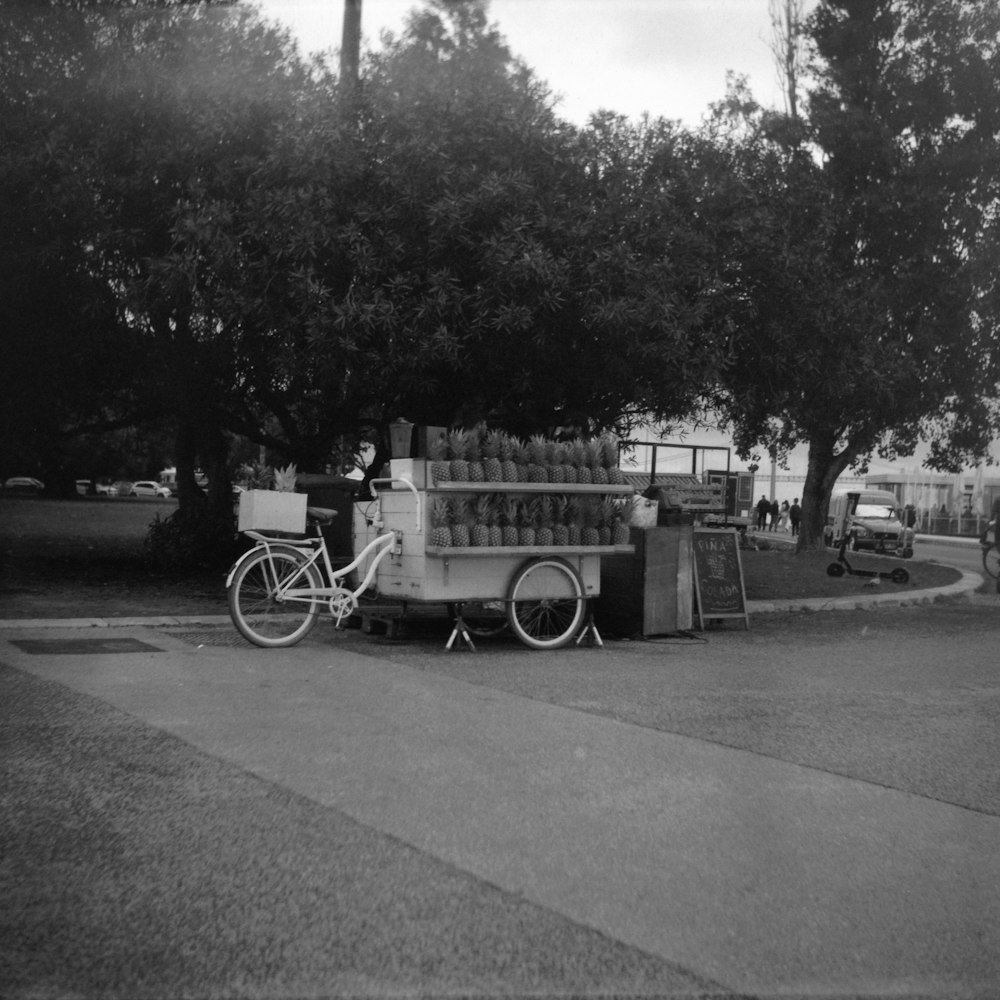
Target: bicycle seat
<point>320,515</point>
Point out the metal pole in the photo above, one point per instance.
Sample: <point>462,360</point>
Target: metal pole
<point>350,45</point>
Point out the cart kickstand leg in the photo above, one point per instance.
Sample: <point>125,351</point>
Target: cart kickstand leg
<point>589,631</point>
<point>460,631</point>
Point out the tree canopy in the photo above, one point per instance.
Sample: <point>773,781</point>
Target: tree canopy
<point>211,236</point>
<point>865,232</point>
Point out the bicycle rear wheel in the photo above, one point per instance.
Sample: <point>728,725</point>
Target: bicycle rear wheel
<point>991,561</point>
<point>259,613</point>
<point>546,603</point>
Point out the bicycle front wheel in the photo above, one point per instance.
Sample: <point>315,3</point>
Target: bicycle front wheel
<point>256,606</point>
<point>546,603</point>
<point>991,561</point>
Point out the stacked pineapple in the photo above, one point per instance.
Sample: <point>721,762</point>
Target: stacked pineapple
<point>478,455</point>
<point>490,520</point>
<point>493,520</point>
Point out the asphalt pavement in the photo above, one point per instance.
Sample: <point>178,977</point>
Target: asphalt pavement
<point>808,808</point>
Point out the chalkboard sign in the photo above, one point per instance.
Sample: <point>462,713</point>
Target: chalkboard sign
<point>718,576</point>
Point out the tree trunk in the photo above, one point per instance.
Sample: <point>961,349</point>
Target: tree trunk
<point>214,463</point>
<point>824,468</point>
<point>189,493</point>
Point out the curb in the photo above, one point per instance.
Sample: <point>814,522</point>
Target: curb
<point>28,623</point>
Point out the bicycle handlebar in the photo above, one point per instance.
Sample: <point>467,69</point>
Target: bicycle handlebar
<point>410,487</point>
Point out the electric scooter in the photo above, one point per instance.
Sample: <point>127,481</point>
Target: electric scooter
<point>842,566</point>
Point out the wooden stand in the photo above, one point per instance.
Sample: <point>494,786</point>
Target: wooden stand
<point>649,592</point>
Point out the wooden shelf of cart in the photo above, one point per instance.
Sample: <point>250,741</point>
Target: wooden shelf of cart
<point>555,488</point>
<point>423,572</point>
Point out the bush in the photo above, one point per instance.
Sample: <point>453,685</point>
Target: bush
<point>191,539</point>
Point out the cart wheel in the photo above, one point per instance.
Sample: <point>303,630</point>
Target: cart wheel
<point>546,603</point>
<point>991,561</point>
<point>482,618</point>
<point>899,575</point>
<point>835,569</point>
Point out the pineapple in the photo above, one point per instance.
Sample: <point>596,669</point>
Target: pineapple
<point>440,469</point>
<point>492,466</point>
<point>527,518</point>
<point>605,519</point>
<point>480,532</point>
<point>589,535</point>
<point>493,521</point>
<point>509,513</point>
<point>538,459</point>
<point>474,455</point>
<point>609,453</point>
<point>560,529</point>
<point>460,525</point>
<point>579,452</point>
<point>620,534</point>
<point>557,463</point>
<point>595,457</point>
<point>573,522</point>
<point>521,459</point>
<point>458,444</point>
<point>543,532</point>
<point>440,519</point>
<point>508,467</point>
<point>284,479</point>
<point>568,468</point>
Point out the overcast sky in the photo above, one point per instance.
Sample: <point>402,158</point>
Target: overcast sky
<point>667,57</point>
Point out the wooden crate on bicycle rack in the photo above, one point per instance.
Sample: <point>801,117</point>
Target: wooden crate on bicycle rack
<point>269,510</point>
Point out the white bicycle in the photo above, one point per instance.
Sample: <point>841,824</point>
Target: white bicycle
<point>277,589</point>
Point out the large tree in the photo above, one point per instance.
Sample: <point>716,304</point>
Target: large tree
<point>441,247</point>
<point>124,123</point>
<point>864,255</point>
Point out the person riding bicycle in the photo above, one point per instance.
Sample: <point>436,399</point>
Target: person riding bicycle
<point>985,538</point>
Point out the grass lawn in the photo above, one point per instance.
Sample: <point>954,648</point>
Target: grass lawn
<point>83,558</point>
<point>779,574</point>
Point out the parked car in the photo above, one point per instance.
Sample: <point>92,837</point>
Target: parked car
<point>873,523</point>
<point>23,484</point>
<point>101,489</point>
<point>147,488</point>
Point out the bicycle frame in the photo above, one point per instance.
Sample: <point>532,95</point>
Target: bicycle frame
<point>378,548</point>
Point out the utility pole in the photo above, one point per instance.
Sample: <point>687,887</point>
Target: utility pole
<point>350,45</point>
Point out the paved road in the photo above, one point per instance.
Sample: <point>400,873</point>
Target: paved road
<point>965,553</point>
<point>807,809</point>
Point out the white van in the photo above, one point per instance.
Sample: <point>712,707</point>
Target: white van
<point>868,519</point>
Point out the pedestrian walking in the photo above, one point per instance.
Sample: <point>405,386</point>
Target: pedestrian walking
<point>763,509</point>
<point>795,516</point>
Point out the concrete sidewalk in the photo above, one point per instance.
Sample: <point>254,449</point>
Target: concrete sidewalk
<point>741,873</point>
